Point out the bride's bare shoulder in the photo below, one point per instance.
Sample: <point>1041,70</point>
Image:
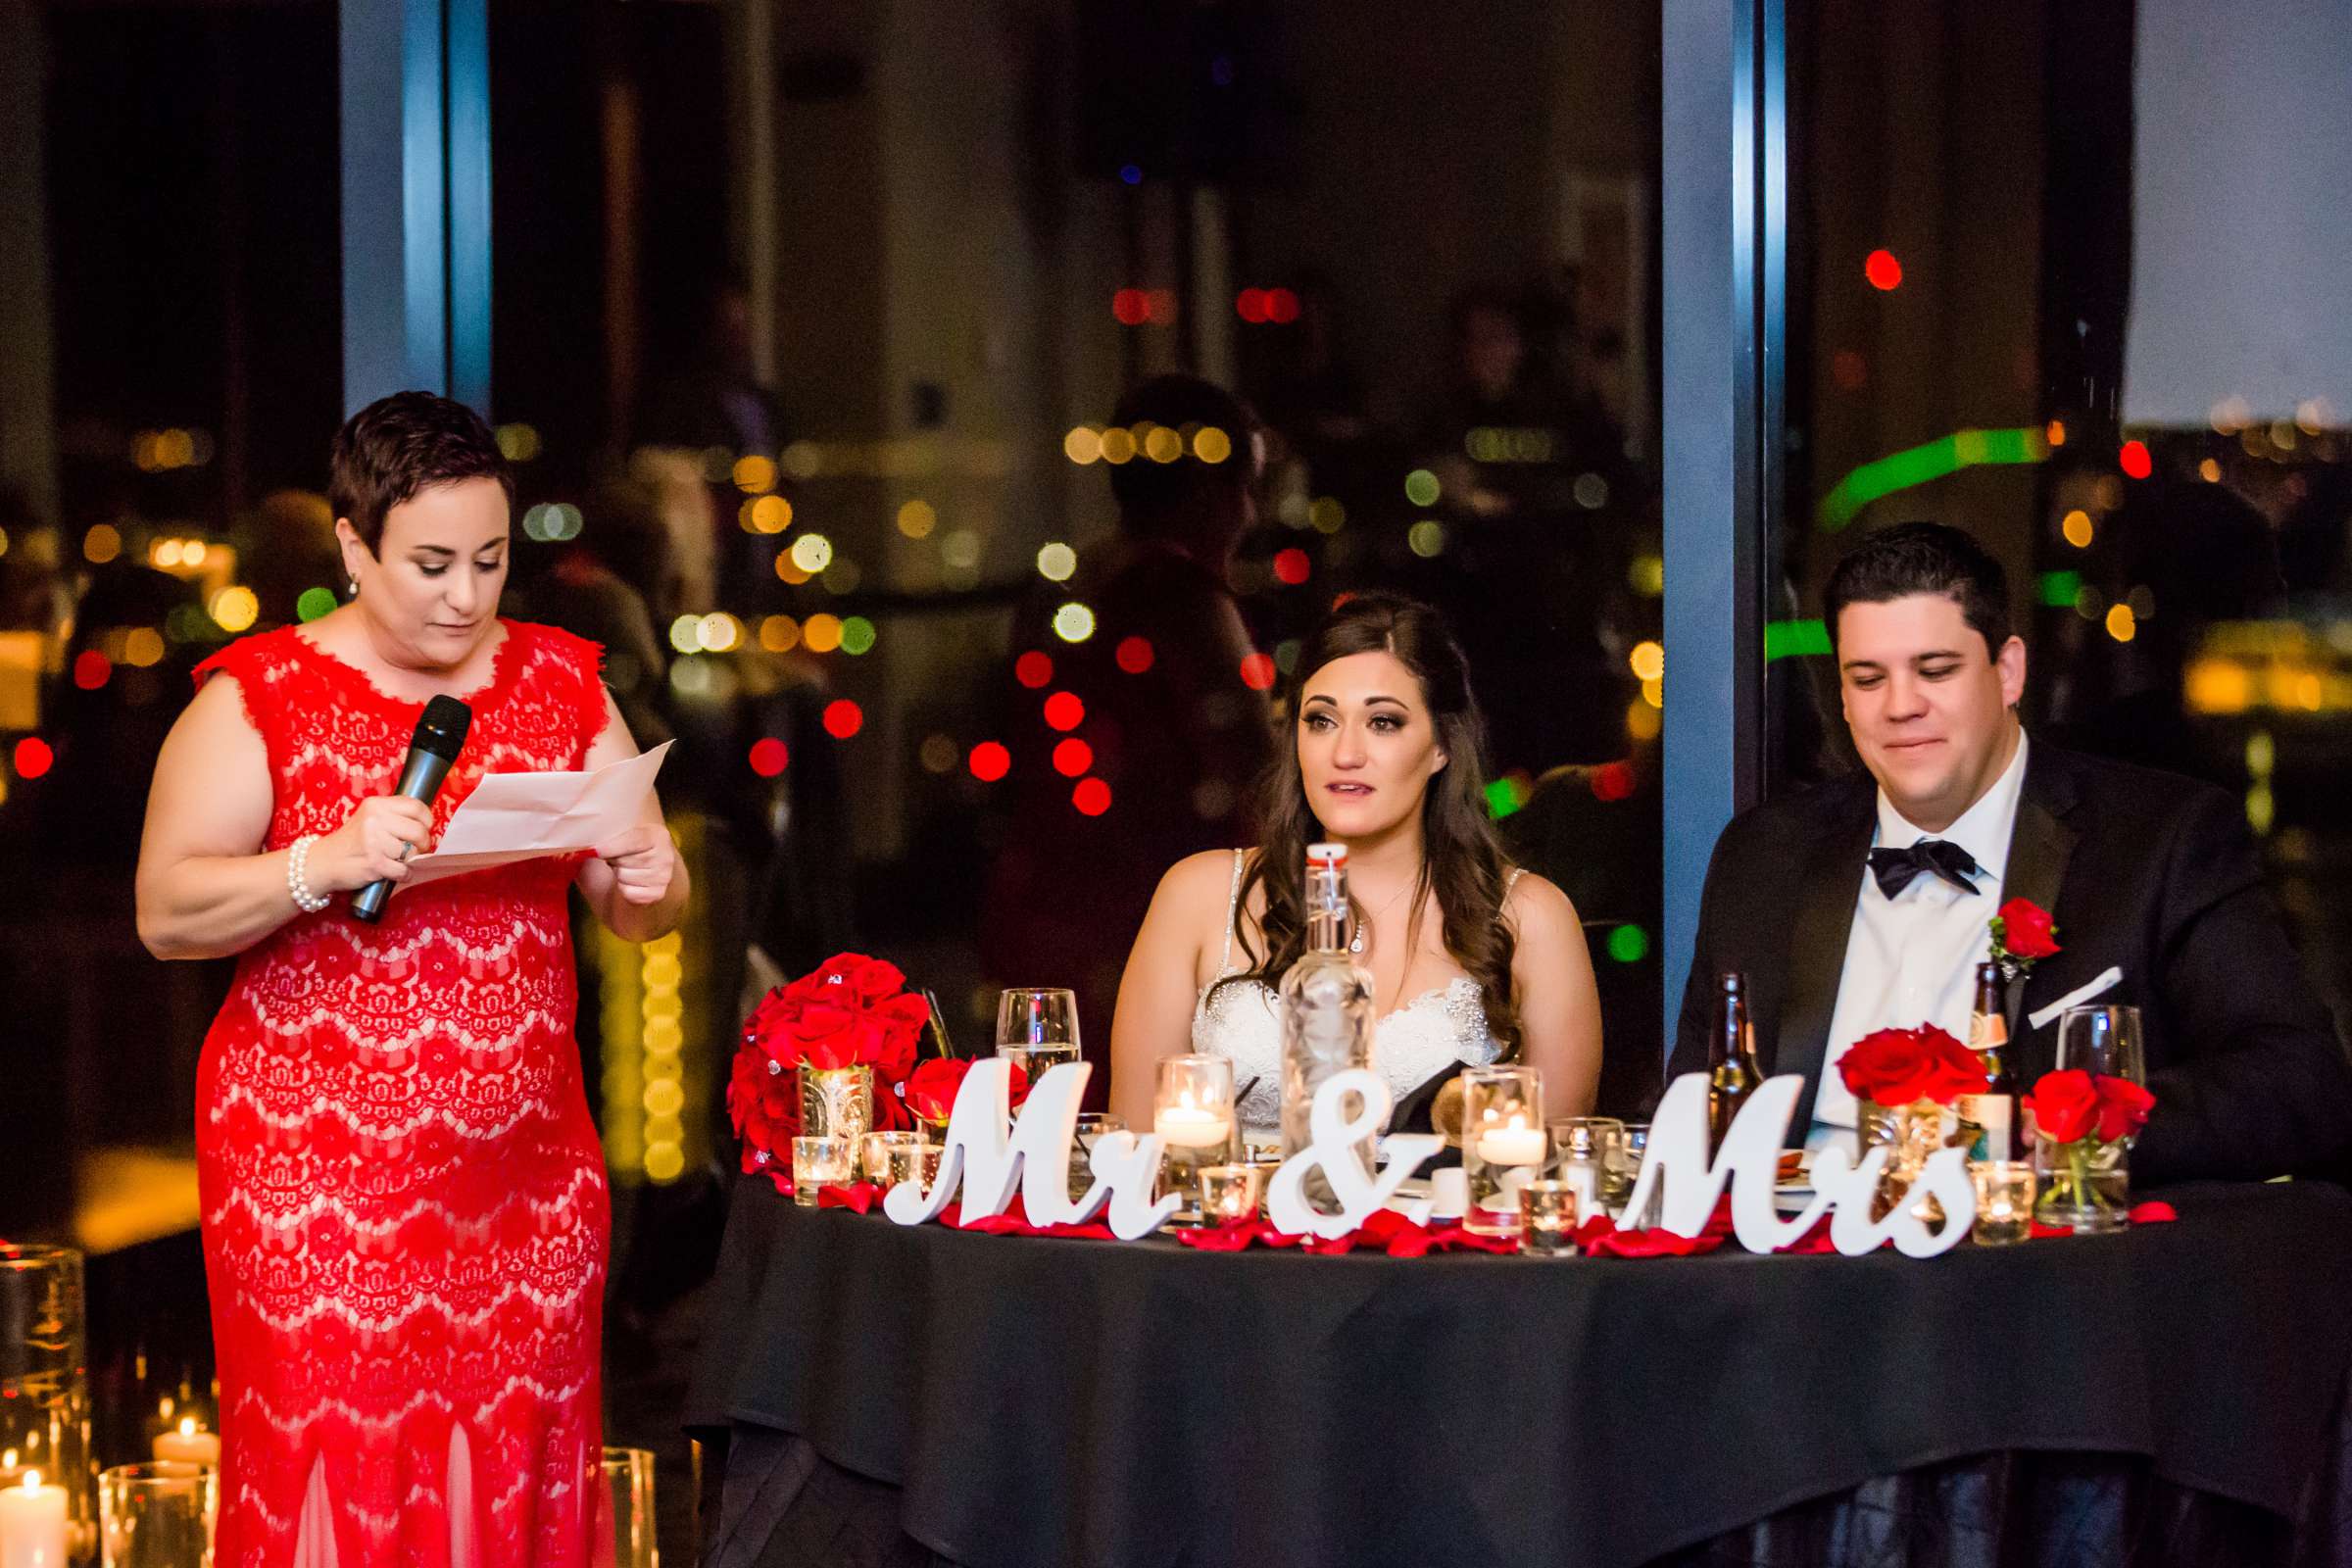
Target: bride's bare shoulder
<point>1198,880</point>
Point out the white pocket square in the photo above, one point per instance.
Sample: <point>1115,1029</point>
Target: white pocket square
<point>2099,986</point>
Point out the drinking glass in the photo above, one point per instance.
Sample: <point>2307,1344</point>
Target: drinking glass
<point>157,1515</point>
<point>2103,1041</point>
<point>1092,1125</point>
<point>626,1498</point>
<point>1503,1143</point>
<point>1037,1028</point>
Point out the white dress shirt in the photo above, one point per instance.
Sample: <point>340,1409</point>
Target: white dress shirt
<point>1912,959</point>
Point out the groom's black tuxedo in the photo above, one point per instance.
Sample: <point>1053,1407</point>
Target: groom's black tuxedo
<point>2154,874</point>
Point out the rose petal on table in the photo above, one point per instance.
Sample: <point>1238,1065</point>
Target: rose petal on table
<point>2041,1231</point>
<point>856,1196</point>
<point>2155,1211</point>
<point>1232,1236</point>
<point>1652,1243</point>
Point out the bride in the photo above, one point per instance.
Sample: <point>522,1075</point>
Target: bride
<point>1472,962</point>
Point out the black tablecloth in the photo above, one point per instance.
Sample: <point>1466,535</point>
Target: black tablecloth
<point>1113,1404</point>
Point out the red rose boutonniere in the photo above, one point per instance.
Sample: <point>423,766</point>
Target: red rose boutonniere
<point>2023,934</point>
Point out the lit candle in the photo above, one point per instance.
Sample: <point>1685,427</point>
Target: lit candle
<point>190,1444</point>
<point>1514,1142</point>
<point>33,1525</point>
<point>1191,1127</point>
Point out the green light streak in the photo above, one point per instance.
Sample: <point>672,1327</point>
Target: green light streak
<point>2059,589</point>
<point>1963,449</point>
<point>1787,639</point>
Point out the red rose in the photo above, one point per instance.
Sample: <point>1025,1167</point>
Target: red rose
<point>1953,1069</point>
<point>2065,1105</point>
<point>932,1089</point>
<point>2123,1108</point>
<point>2026,930</point>
<point>1885,1067</point>
<point>875,979</point>
<point>827,1035</point>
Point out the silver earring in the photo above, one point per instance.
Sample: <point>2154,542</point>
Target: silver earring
<point>355,587</point>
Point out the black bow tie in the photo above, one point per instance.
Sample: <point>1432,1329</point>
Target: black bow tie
<point>1894,868</point>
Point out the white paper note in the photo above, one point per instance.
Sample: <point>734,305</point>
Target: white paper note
<point>520,816</point>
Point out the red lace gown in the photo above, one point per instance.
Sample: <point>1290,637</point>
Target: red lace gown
<point>404,1208</point>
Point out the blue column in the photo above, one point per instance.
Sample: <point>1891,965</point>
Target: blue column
<point>1722,226</point>
<point>415,161</point>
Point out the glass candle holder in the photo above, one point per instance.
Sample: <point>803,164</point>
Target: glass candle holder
<point>817,1162</point>
<point>625,1500</point>
<point>1193,1112</point>
<point>1502,1143</point>
<point>1231,1194</point>
<point>44,1384</point>
<point>874,1150</point>
<point>2004,1201</point>
<point>1548,1214</point>
<point>1582,1150</point>
<point>917,1163</point>
<point>158,1515</point>
<point>1092,1125</point>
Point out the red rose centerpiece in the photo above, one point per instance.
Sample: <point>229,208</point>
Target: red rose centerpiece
<point>811,1054</point>
<point>2083,1126</point>
<point>1904,1082</point>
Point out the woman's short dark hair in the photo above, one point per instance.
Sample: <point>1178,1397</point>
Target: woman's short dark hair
<point>1923,557</point>
<point>400,445</point>
<point>1161,497</point>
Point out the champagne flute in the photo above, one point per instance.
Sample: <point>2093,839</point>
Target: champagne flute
<point>1037,1028</point>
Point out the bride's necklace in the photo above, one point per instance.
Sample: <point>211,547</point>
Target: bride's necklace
<point>1356,943</point>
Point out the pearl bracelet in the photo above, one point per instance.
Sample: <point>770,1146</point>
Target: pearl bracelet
<point>298,861</point>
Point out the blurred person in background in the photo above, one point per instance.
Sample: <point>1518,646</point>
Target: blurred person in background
<point>1170,727</point>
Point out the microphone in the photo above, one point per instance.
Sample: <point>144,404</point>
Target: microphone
<point>440,736</point>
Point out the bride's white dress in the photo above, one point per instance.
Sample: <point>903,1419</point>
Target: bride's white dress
<point>1439,1028</point>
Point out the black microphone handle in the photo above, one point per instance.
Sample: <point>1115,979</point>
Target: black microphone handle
<point>420,781</point>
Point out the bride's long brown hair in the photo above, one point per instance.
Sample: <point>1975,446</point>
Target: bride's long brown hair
<point>1461,859</point>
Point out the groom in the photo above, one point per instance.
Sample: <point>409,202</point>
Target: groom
<point>1862,903</point>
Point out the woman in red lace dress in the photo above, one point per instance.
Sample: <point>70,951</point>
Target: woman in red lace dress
<point>405,1210</point>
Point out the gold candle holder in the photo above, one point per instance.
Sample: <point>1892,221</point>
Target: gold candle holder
<point>1547,1218</point>
<point>2004,1201</point>
<point>917,1163</point>
<point>873,1152</point>
<point>1229,1194</point>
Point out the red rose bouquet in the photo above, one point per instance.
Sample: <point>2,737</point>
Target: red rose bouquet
<point>854,1011</point>
<point>1904,1079</point>
<point>2081,1126</point>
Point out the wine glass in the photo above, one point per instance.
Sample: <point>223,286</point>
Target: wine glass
<point>1037,1028</point>
<point>2104,1042</point>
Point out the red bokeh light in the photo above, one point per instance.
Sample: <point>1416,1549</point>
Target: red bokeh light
<point>1291,566</point>
<point>1882,270</point>
<point>1074,756</point>
<point>1160,305</point>
<point>90,669</point>
<point>1132,305</point>
<point>1134,655</point>
<point>1033,670</point>
<point>1282,307</point>
<point>1063,710</point>
<point>1258,672</point>
<point>1091,797</point>
<point>843,718</point>
<point>1251,305</point>
<point>1613,781</point>
<point>768,757</point>
<point>33,757</point>
<point>2135,460</point>
<point>988,762</point>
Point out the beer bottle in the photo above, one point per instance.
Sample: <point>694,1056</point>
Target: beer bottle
<point>1996,1111</point>
<point>1732,1072</point>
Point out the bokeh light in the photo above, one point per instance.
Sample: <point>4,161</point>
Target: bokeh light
<point>1629,944</point>
<point>1291,566</point>
<point>1421,488</point>
<point>235,609</point>
<point>1282,307</point>
<point>143,647</point>
<point>843,719</point>
<point>314,602</point>
<point>1648,661</point>
<point>1325,514</point>
<point>33,757</point>
<point>2075,528</point>
<point>768,757</point>
<point>2121,624</point>
<point>779,634</point>
<point>1213,445</point>
<point>813,553</point>
<point>770,515</point>
<point>917,518</point>
<point>2135,460</point>
<point>100,544</point>
<point>988,762</point>
<point>1033,670</point>
<point>1426,538</point>
<point>754,474</point>
<point>92,667</point>
<point>1258,672</point>
<point>1091,797</point>
<point>1072,757</point>
<point>1642,721</point>
<point>1884,272</point>
<point>686,634</point>
<point>1647,575</point>
<point>937,754</point>
<point>1133,655</point>
<point>1612,781</point>
<point>1163,445</point>
<point>821,633</point>
<point>1131,307</point>
<point>1073,622</point>
<point>857,635</point>
<point>1119,445</point>
<point>1083,445</point>
<point>720,632</point>
<point>1056,562</point>
<point>1064,711</point>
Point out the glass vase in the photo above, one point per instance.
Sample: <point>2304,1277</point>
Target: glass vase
<point>44,1381</point>
<point>837,1103</point>
<point>2085,1185</point>
<point>1909,1133</point>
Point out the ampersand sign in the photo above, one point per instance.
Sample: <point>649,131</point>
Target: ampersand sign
<point>1334,1136</point>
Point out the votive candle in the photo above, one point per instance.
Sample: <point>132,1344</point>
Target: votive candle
<point>33,1524</point>
<point>189,1444</point>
